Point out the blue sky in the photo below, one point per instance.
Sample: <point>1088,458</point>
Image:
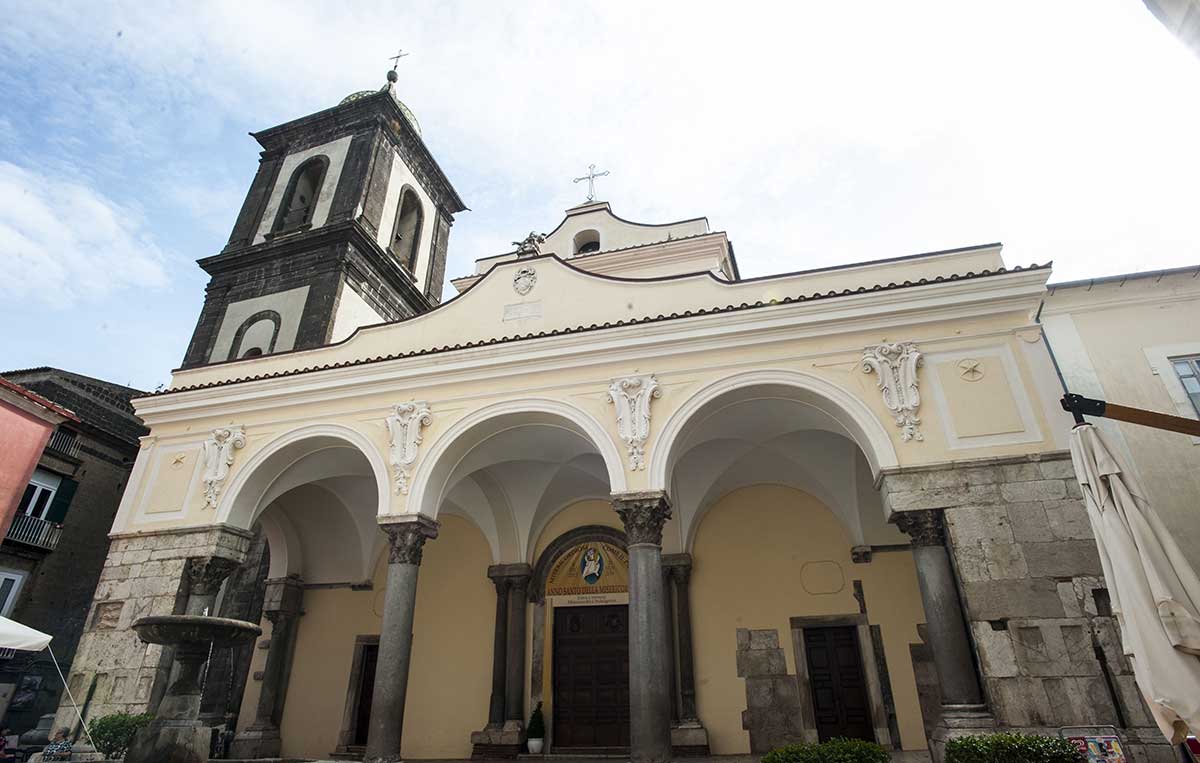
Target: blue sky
<point>814,135</point>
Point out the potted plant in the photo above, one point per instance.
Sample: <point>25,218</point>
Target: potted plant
<point>535,736</point>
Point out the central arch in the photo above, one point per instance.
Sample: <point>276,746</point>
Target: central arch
<point>468,470</point>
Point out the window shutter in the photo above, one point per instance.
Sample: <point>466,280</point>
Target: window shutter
<point>62,501</point>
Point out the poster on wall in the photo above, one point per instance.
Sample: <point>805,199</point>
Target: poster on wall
<point>1099,749</point>
<point>591,569</point>
<point>27,691</point>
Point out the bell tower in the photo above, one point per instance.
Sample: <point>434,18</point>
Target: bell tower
<point>345,224</point>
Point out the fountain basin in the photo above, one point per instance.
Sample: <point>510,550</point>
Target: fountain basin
<point>176,630</point>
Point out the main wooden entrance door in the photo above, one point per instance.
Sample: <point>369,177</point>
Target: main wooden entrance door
<point>591,678</point>
<point>835,672</point>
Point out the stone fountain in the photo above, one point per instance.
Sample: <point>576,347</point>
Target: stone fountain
<point>176,733</point>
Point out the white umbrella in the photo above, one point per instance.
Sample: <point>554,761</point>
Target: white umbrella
<point>13,635</point>
<point>1155,594</point>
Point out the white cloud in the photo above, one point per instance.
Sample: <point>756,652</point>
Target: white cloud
<point>61,240</point>
<point>813,133</point>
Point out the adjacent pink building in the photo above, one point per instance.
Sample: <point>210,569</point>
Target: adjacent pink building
<point>26,423</point>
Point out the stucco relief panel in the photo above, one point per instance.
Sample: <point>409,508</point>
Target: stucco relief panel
<point>981,398</point>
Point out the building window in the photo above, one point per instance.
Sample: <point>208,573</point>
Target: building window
<point>406,233</point>
<point>587,241</point>
<point>1188,370</point>
<point>10,586</point>
<point>300,198</point>
<point>39,494</point>
<point>256,336</point>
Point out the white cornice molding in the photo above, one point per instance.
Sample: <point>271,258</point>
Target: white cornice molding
<point>870,311</point>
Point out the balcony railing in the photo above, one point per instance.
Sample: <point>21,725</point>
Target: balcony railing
<point>34,532</point>
<point>65,442</point>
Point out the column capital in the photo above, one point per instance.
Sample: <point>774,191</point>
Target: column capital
<point>679,566</point>
<point>512,573</point>
<point>926,526</point>
<point>407,536</point>
<point>283,595</point>
<point>205,574</point>
<point>643,514</point>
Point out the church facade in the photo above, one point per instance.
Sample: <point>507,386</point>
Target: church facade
<point>682,511</point>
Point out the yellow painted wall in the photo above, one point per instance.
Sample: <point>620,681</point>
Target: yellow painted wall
<point>592,512</point>
<point>450,678</point>
<point>748,572</point>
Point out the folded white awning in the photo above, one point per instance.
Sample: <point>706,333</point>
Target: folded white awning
<point>13,635</point>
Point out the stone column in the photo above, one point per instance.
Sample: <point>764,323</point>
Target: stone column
<point>669,620</point>
<point>643,515</point>
<point>499,653</point>
<point>963,708</point>
<point>682,575</point>
<point>406,539</point>
<point>281,605</point>
<point>688,737</point>
<point>514,680</point>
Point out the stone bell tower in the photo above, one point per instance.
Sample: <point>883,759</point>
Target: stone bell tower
<point>345,225</point>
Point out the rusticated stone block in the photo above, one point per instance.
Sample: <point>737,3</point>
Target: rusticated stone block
<point>1039,490</point>
<point>1069,520</point>
<point>1029,521</point>
<point>1004,599</point>
<point>1062,559</point>
<point>997,658</point>
<point>979,523</point>
<point>1005,561</point>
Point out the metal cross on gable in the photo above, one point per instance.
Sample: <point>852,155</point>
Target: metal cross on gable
<point>396,58</point>
<point>591,180</point>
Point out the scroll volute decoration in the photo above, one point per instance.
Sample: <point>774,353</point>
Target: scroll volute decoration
<point>896,365</point>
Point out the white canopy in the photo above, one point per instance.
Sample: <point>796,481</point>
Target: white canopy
<point>13,635</point>
<point>1155,594</point>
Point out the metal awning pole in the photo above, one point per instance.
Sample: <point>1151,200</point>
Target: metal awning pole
<point>1080,406</point>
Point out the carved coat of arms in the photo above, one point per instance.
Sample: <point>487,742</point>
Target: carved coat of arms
<point>524,280</point>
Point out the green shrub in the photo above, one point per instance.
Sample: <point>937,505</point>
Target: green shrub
<point>1011,748</point>
<point>537,724</point>
<point>113,733</point>
<point>833,751</point>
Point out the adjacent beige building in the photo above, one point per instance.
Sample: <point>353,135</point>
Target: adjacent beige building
<point>683,511</point>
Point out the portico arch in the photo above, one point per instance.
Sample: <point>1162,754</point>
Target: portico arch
<point>243,500</point>
<point>853,418</point>
<point>512,462</point>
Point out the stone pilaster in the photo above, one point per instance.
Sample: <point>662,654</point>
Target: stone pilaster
<point>147,573</point>
<point>514,681</point>
<point>282,606</point>
<point>504,734</point>
<point>406,541</point>
<point>644,515</point>
<point>499,654</point>
<point>688,736</point>
<point>1032,592</point>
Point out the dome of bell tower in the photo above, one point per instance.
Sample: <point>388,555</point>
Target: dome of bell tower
<point>390,87</point>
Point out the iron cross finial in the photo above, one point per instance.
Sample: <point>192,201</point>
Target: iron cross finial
<point>591,179</point>
<point>396,58</point>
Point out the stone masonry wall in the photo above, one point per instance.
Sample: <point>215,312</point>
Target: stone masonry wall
<point>1034,596</point>
<point>113,670</point>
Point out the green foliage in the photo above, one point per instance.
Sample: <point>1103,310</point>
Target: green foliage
<point>537,724</point>
<point>1010,748</point>
<point>833,751</point>
<point>113,733</point>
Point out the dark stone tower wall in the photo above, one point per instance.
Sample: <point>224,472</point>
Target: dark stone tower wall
<point>281,290</point>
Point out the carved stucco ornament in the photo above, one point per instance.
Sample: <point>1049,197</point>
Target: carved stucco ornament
<point>632,396</point>
<point>219,451</point>
<point>404,434</point>
<point>524,280</point>
<point>896,364</point>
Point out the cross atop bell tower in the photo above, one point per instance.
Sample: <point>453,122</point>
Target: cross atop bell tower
<point>345,224</point>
